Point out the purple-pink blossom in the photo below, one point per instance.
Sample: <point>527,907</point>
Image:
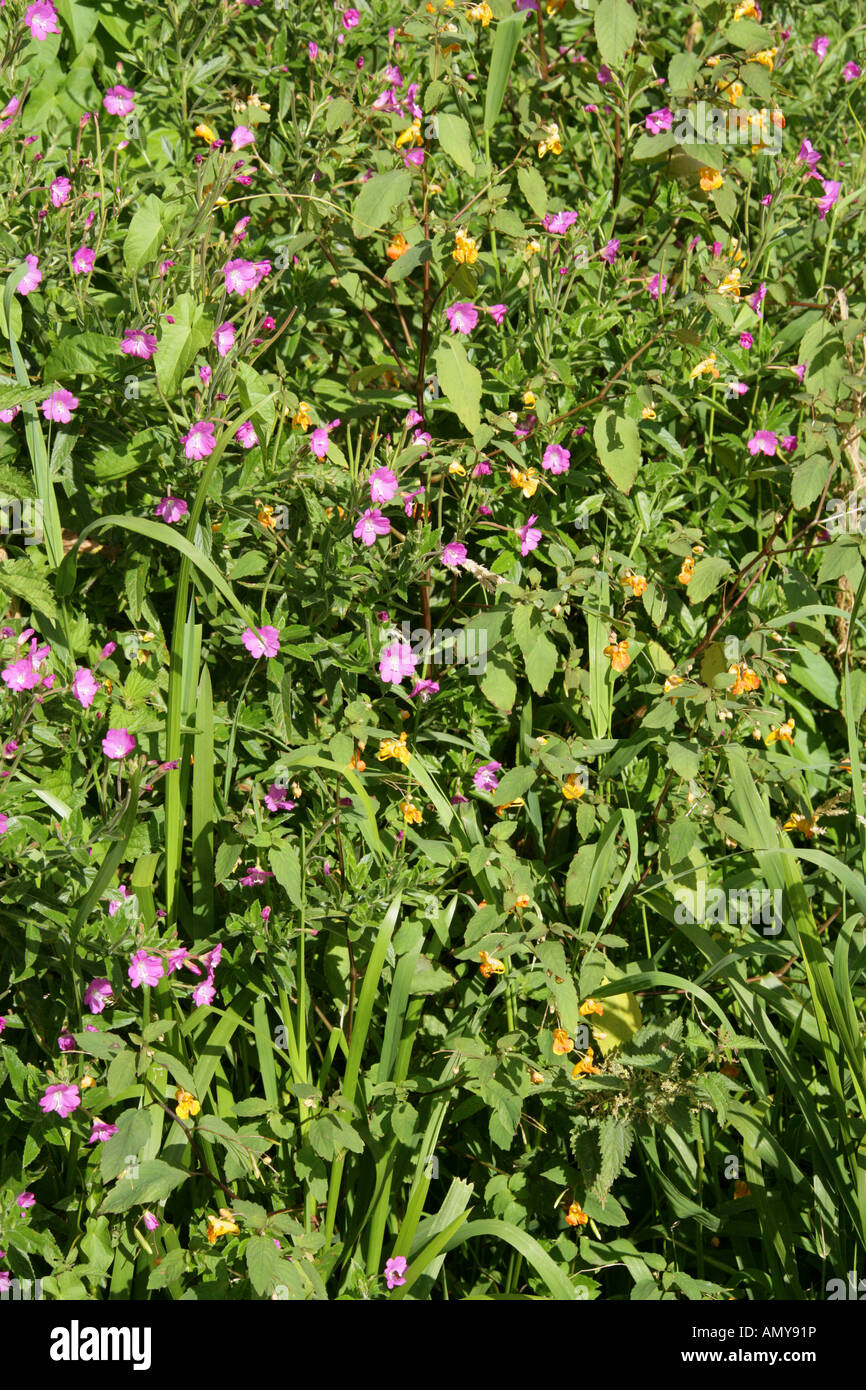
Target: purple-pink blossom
<point>82,261</point>
<point>60,1100</point>
<point>453,555</point>
<point>171,509</point>
<point>264,641</point>
<point>145,969</point>
<point>660,120</point>
<point>200,440</point>
<point>832,189</point>
<point>101,1132</point>
<point>97,995</point>
<point>137,343</point>
<point>763,442</point>
<point>556,459</point>
<point>383,485</point>
<point>396,661</point>
<point>485,778</point>
<point>394,1271</point>
<point>59,190</point>
<point>119,100</point>
<point>41,20</point>
<point>224,338</point>
<point>84,687</point>
<point>246,435</point>
<point>59,406</point>
<point>529,535</point>
<point>370,525</point>
<point>462,317</point>
<point>118,743</point>
<point>242,277</point>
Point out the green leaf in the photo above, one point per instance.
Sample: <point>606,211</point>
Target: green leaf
<point>180,342</point>
<point>144,237</point>
<point>615,30</point>
<point>376,201</point>
<point>121,1073</point>
<point>685,761</point>
<point>513,784</point>
<point>504,48</point>
<point>708,575</point>
<point>455,138</point>
<point>534,189</point>
<point>264,1265</point>
<point>410,260</point>
<point>614,1141</point>
<point>286,867</point>
<point>19,578</point>
<point>809,480</point>
<point>460,383</point>
<point>618,443</point>
<point>498,683</point>
<point>156,1180</point>
<point>814,673</point>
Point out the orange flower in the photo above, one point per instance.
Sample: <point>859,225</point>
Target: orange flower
<point>489,966</point>
<point>805,825</point>
<point>573,788</point>
<point>411,814</point>
<point>357,763</point>
<point>521,901</point>
<point>635,582</point>
<point>399,245</point>
<point>671,683</point>
<point>741,1189</point>
<point>562,1043</point>
<point>589,1006</point>
<point>619,657</point>
<point>747,679</point>
<point>536,1078</point>
<point>687,570</point>
<point>576,1216</point>
<point>710,179</point>
<point>784,733</point>
<point>585,1066</point>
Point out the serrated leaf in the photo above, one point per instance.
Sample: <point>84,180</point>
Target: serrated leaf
<point>156,1180</point>
<point>377,200</point>
<point>615,27</point>
<point>460,383</point>
<point>534,189</point>
<point>617,440</point>
<point>264,1264</point>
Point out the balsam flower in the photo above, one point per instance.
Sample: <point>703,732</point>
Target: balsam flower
<point>618,654</point>
<point>562,1043</point>
<point>552,142</point>
<point>576,1216</point>
<point>222,1225</point>
<point>465,248</point>
<point>186,1104</point>
<point>490,966</point>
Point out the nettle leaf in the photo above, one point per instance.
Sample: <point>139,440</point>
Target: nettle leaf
<point>560,982</point>
<point>534,189</point>
<point>156,1180</point>
<point>264,1264</point>
<point>615,27</point>
<point>377,200</point>
<point>617,440</point>
<point>455,138</point>
<point>709,573</point>
<point>460,383</point>
<point>614,1142</point>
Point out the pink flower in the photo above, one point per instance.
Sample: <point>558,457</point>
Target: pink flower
<point>557,223</point>
<point>757,299</point>
<point>101,1132</point>
<point>255,876</point>
<point>263,641</point>
<point>242,277</point>
<point>145,969</point>
<point>657,285</point>
<point>529,535</point>
<point>137,343</point>
<point>82,261</point>
<point>497,312</point>
<point>556,459</point>
<point>413,159</point>
<point>41,20</point>
<point>319,442</point>
<point>242,136</point>
<point>820,46</point>
<point>119,101</point>
<point>453,555</point>
<point>660,120</point>
<point>118,743</point>
<point>59,406</point>
<point>485,778</point>
<point>203,993</point>
<point>240,231</point>
<point>66,1042</point>
<point>383,485</point>
<point>171,509</point>
<point>84,687</point>
<point>175,960</point>
<point>832,189</point>
<point>788,443</point>
<point>97,995</point>
<point>423,690</point>
<point>9,112</point>
<point>246,436</point>
<point>25,1200</point>
<point>850,72</point>
<point>409,500</point>
<point>482,469</point>
<point>609,252</point>
<point>413,418</point>
<point>7,416</point>
<point>4,826</point>
<point>21,675</point>
<point>224,338</point>
<point>800,371</point>
<point>394,1271</point>
<point>60,1100</point>
<point>59,191</point>
<point>276,799</point>
<point>31,277</point>
<point>397,660</point>
<point>200,441</point>
<point>313,50</point>
<point>108,650</point>
<point>351,19</point>
<point>604,75</point>
<point>807,154</point>
<point>371,524</point>
<point>746,340</point>
<point>462,317</point>
<point>763,442</point>
<point>151,1222</point>
<point>422,439</point>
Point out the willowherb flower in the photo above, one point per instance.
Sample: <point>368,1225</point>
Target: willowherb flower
<point>556,459</point>
<point>660,120</point>
<point>763,442</point>
<point>557,223</point>
<point>25,1200</point>
<point>119,100</point>
<point>200,440</point>
<point>746,340</point>
<point>657,285</point>
<point>60,1100</point>
<point>118,743</point>
<point>171,509</point>
<point>383,485</point>
<point>84,687</point>
<point>246,435</point>
<point>609,252</point>
<point>21,675</point>
<point>370,526</point>
<point>82,261</point>
<point>145,969</point>
<point>808,155</point>
<point>59,190</point>
<point>97,995</point>
<point>397,661</point>
<point>137,343</point>
<point>462,317</point>
<point>224,338</point>
<point>264,641</point>
<point>453,555</point>
<point>101,1132</point>
<point>59,406</point>
<point>850,72</point>
<point>832,188</point>
<point>41,20</point>
<point>820,46</point>
<point>485,778</point>
<point>242,136</point>
<point>394,1270</point>
<point>242,277</point>
<point>529,535</point>
<point>254,876</point>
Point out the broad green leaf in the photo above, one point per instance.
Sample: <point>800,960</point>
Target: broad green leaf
<point>615,26</point>
<point>534,189</point>
<point>617,440</point>
<point>505,46</point>
<point>180,341</point>
<point>460,383</point>
<point>455,138</point>
<point>144,237</point>
<point>377,200</point>
<point>156,1180</point>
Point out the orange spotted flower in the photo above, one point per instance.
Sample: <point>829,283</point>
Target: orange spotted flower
<point>710,179</point>
<point>576,1216</point>
<point>222,1225</point>
<point>465,248</point>
<point>526,479</point>
<point>590,1006</point>
<point>394,748</point>
<point>687,570</point>
<point>490,966</point>
<point>783,733</point>
<point>619,657</point>
<point>574,787</point>
<point>635,582</point>
<point>411,814</point>
<point>805,825</point>
<point>398,247</point>
<point>562,1043</point>
<point>747,679</point>
<point>585,1067</point>
<point>186,1104</point>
